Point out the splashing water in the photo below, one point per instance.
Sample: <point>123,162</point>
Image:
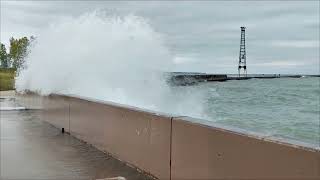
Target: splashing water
<point>119,59</point>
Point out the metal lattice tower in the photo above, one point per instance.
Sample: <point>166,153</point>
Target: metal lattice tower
<point>242,54</point>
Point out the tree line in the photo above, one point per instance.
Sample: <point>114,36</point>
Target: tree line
<point>18,51</point>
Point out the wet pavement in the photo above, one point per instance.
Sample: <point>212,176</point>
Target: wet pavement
<point>33,149</point>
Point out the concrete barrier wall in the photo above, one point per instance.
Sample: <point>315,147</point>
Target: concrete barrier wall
<point>30,100</point>
<point>56,111</point>
<point>170,147</point>
<point>203,152</point>
<point>139,138</point>
<point>55,108</point>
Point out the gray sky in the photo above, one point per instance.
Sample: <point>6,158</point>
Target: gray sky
<point>282,36</point>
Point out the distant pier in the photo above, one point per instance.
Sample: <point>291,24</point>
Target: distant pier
<point>181,78</point>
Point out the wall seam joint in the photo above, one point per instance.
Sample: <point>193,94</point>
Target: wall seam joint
<point>170,162</point>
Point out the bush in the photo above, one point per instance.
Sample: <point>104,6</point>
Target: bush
<point>7,79</point>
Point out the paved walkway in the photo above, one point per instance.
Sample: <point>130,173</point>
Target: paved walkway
<point>33,149</point>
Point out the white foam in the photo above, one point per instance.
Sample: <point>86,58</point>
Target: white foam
<point>119,59</point>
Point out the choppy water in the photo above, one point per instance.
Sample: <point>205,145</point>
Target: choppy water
<point>285,108</point>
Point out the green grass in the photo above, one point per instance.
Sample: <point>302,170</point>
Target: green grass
<point>7,79</point>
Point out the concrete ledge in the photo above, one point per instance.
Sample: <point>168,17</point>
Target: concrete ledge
<point>203,152</point>
<point>139,138</point>
<point>170,147</point>
<point>56,111</point>
<point>30,100</point>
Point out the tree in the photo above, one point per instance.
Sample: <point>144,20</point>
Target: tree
<point>4,57</point>
<point>18,51</point>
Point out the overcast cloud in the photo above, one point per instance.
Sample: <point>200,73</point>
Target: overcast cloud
<point>282,36</point>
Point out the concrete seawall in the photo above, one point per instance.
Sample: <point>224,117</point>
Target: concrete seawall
<point>169,147</point>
